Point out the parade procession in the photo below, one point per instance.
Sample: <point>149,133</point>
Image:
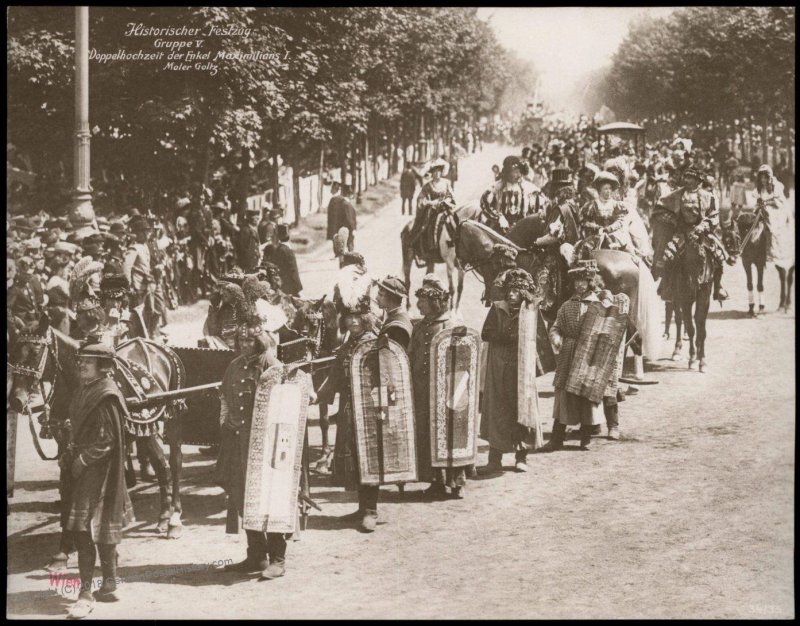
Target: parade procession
<point>244,383</point>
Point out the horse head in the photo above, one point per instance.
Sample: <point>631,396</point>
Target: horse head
<point>31,360</point>
<point>317,321</point>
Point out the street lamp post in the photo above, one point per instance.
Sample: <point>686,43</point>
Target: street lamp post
<point>81,213</point>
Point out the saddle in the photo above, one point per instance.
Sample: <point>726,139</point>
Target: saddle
<point>427,248</point>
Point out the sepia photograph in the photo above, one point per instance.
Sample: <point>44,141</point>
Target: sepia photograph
<point>384,312</point>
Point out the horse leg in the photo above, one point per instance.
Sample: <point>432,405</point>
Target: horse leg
<point>156,454</point>
<point>748,270</point>
<point>667,318</point>
<point>173,434</point>
<point>782,279</point>
<point>701,306</point>
<point>760,287</point>
<point>460,290</point>
<point>686,313</point>
<point>676,353</point>
<point>789,280</point>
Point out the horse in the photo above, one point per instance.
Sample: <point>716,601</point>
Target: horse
<point>621,273</point>
<point>662,228</point>
<point>317,321</point>
<point>447,250</point>
<point>753,254</point>
<point>692,283</point>
<point>44,355</point>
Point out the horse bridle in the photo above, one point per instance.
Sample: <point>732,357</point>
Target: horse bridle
<point>37,374</point>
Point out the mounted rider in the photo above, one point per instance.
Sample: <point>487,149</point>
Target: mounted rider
<point>696,217</point>
<point>562,217</point>
<point>603,221</point>
<point>434,199</point>
<point>513,196</point>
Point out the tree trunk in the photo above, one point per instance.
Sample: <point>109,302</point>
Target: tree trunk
<point>296,194</point>
<point>321,174</point>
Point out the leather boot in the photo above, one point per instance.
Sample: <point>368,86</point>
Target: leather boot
<point>252,563</point>
<point>586,436</point>
<point>276,545</point>
<point>556,438</point>
<point>495,464</point>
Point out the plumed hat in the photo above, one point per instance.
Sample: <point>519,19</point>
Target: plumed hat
<point>517,279</point>
<point>114,283</point>
<point>439,164</point>
<point>353,258</point>
<point>80,273</point>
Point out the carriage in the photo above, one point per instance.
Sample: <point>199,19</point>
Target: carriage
<point>611,134</point>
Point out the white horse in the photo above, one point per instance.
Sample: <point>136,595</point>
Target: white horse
<point>447,250</point>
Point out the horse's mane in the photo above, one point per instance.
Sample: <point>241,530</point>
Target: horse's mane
<point>493,234</point>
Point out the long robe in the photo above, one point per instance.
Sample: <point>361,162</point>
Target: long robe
<point>420,355</point>
<point>345,469</point>
<point>499,416</point>
<point>97,499</point>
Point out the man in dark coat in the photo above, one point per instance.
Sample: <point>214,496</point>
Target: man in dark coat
<point>248,244</point>
<point>280,254</point>
<point>266,553</point>
<point>96,503</point>
<point>408,187</point>
<point>396,322</point>
<point>342,213</point>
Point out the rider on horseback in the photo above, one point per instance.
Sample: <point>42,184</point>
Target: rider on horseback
<point>697,219</point>
<point>515,197</point>
<point>603,221</point>
<point>562,216</point>
<point>435,197</point>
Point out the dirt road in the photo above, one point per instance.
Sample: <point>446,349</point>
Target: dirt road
<point>689,515</point>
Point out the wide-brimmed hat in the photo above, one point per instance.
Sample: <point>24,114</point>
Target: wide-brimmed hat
<point>764,169</point>
<point>139,223</point>
<point>584,269</point>
<point>605,177</point>
<point>439,163</point>
<point>361,306</point>
<point>94,348</point>
<point>394,285</point>
<point>118,229</point>
<point>114,283</point>
<point>510,162</point>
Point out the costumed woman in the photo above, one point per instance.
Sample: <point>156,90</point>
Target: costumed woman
<point>435,196</point>
<point>499,424</point>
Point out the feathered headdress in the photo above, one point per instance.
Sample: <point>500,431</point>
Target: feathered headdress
<point>351,289</point>
<point>340,241</point>
<point>517,279</point>
<point>78,279</point>
<point>234,295</point>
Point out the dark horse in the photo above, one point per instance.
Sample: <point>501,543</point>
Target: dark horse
<point>44,356</point>
<point>687,284</point>
<point>754,254</point>
<point>619,271</point>
<point>316,321</point>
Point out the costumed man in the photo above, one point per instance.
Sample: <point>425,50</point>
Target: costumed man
<point>248,246</point>
<point>562,218</point>
<point>499,424</point>
<point>435,196</point>
<point>96,505</point>
<point>515,197</point>
<point>432,300</point>
<point>266,552</point>
<point>138,271</point>
<point>360,325</point>
<point>351,283</point>
<point>199,225</point>
<point>697,218</point>
<point>569,408</point>
<point>586,176</point>
<point>226,311</point>
<point>396,321</point>
<point>114,290</point>
<point>489,216</point>
<point>283,256</point>
<point>84,298</point>
<point>603,221</point>
<point>341,213</point>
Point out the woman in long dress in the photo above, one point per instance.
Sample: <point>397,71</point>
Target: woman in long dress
<point>779,214</point>
<point>435,195</point>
